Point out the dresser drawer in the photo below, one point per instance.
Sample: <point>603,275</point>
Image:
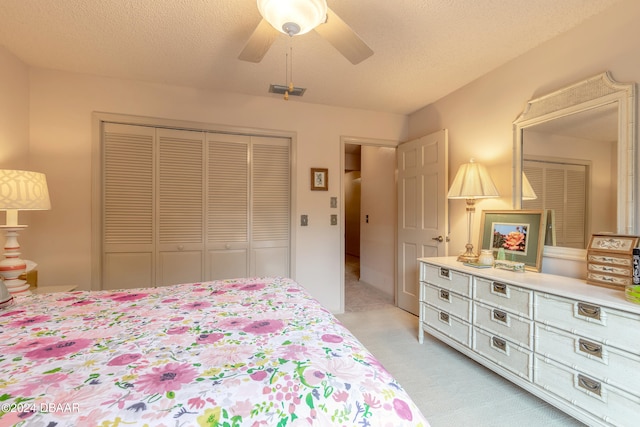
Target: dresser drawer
<point>446,278</point>
<point>609,364</point>
<point>601,324</point>
<point>604,401</point>
<point>448,301</point>
<point>504,296</point>
<point>447,324</point>
<point>611,259</point>
<point>611,269</point>
<point>516,329</point>
<point>610,280</point>
<point>504,353</point>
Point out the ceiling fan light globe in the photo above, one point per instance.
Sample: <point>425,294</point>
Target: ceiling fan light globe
<point>307,14</point>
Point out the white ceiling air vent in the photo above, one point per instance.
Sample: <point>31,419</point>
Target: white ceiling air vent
<point>297,91</point>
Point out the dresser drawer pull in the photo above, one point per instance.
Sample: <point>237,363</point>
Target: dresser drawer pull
<point>444,317</point>
<point>444,295</point>
<point>444,272</point>
<point>588,310</point>
<point>500,316</point>
<point>499,343</point>
<point>589,384</point>
<point>590,348</point>
<point>499,288</point>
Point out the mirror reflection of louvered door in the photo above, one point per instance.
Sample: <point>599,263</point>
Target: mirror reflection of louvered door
<point>184,206</point>
<point>563,189</point>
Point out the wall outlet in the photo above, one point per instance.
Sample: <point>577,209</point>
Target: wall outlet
<point>304,220</point>
<point>334,219</point>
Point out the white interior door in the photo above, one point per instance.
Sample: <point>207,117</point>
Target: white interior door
<point>422,210</point>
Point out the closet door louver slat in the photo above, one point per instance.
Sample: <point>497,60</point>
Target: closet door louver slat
<point>554,198</point>
<point>180,187</point>
<point>562,188</point>
<point>228,202</point>
<point>270,186</point>
<point>575,215</point>
<point>128,188</point>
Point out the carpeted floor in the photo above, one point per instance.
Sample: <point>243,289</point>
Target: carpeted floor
<point>450,389</point>
<point>360,296</point>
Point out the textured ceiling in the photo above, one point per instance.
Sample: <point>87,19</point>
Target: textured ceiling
<point>424,49</point>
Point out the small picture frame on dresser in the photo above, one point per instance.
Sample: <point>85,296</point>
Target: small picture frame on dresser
<point>610,260</point>
<point>519,233</point>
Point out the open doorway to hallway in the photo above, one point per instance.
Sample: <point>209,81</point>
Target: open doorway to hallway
<point>369,226</point>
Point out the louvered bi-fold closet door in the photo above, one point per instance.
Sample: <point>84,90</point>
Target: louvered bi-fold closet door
<point>227,206</point>
<point>180,203</point>
<point>184,206</point>
<point>128,256</point>
<point>270,206</point>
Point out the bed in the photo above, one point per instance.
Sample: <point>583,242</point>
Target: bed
<point>243,352</point>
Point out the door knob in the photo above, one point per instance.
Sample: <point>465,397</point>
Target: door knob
<point>439,239</point>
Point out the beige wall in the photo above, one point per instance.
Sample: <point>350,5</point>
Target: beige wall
<point>61,107</point>
<point>14,112</point>
<point>479,116</point>
<point>14,124</point>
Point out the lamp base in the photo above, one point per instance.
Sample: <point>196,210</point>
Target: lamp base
<point>468,255</point>
<point>12,266</point>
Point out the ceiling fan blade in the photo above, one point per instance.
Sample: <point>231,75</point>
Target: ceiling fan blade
<point>343,38</point>
<point>259,42</point>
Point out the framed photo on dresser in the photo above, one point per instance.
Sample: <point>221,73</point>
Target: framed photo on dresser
<point>519,233</point>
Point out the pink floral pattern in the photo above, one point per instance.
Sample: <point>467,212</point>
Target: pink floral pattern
<point>244,352</point>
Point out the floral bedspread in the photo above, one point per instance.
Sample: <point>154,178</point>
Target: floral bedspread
<point>244,352</point>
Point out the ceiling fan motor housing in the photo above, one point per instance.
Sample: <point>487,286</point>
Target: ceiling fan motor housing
<point>291,28</point>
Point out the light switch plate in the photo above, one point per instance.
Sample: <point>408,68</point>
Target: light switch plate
<point>334,202</point>
<point>334,219</point>
<point>304,220</point>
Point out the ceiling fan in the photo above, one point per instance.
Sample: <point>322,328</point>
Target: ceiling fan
<point>296,17</point>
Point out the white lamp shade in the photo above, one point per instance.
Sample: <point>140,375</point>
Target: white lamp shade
<point>527,189</point>
<point>23,190</point>
<point>307,14</point>
<point>472,182</point>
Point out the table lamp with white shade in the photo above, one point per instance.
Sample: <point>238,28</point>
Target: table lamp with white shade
<point>471,182</point>
<point>19,191</point>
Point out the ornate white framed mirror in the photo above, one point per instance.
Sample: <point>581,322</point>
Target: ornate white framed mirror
<point>577,148</point>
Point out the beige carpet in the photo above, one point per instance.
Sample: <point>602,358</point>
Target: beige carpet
<point>360,296</point>
<point>450,389</point>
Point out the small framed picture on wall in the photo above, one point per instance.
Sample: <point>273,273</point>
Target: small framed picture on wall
<point>319,179</point>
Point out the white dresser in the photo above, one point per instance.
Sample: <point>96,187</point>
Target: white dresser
<point>576,346</point>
